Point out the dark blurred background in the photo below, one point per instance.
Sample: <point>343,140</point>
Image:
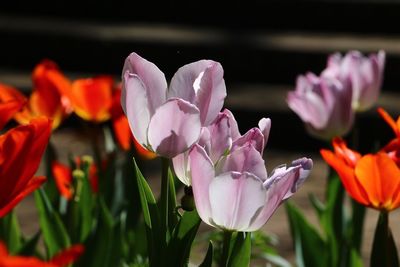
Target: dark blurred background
<point>262,45</point>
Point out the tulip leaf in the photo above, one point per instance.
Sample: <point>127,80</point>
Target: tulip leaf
<point>86,204</point>
<point>10,232</point>
<point>172,213</point>
<point>208,259</point>
<point>103,245</point>
<point>241,252</point>
<point>307,240</point>
<point>155,238</point>
<point>355,259</point>
<point>182,238</point>
<point>384,252</point>
<point>54,233</point>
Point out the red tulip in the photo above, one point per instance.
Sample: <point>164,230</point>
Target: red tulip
<point>11,101</point>
<point>21,150</point>
<point>64,258</point>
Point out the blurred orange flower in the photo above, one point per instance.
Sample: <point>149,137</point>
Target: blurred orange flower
<point>122,130</point>
<point>48,96</point>
<point>21,150</point>
<point>62,259</point>
<point>393,147</point>
<point>11,101</point>
<point>64,179</point>
<point>373,179</point>
<point>91,98</point>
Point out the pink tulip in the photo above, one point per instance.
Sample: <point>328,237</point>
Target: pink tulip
<point>221,138</point>
<point>364,73</point>
<point>166,120</point>
<point>324,104</point>
<point>236,193</point>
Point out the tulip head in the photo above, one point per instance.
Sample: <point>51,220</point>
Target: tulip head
<point>324,105</point>
<point>168,121</point>
<point>364,73</point>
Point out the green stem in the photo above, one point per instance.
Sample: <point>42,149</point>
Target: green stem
<point>358,216</point>
<point>164,195</point>
<point>225,248</point>
<point>384,251</point>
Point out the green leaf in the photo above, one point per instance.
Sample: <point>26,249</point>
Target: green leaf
<point>241,252</point>
<point>54,233</point>
<point>182,238</point>
<point>155,238</point>
<point>384,252</point>
<point>10,232</point>
<point>99,246</point>
<point>172,213</point>
<point>86,205</point>
<point>208,259</point>
<point>355,259</point>
<point>307,241</point>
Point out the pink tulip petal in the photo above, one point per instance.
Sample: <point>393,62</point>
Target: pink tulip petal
<point>253,137</point>
<point>174,128</point>
<point>151,76</point>
<point>236,199</point>
<point>134,101</point>
<point>276,191</point>
<point>202,171</point>
<point>221,140</point>
<point>244,159</point>
<point>182,167</point>
<point>265,126</point>
<point>211,93</point>
<point>183,82</point>
<point>233,126</point>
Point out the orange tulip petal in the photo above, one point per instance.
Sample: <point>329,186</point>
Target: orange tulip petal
<point>8,110</point>
<point>32,185</point>
<point>350,156</point>
<point>92,98</point>
<point>68,256</point>
<point>380,177</point>
<point>346,175</point>
<point>122,132</point>
<point>142,151</point>
<point>63,178</point>
<point>389,120</point>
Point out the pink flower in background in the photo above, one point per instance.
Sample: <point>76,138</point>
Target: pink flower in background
<point>166,120</point>
<point>365,75</point>
<point>219,139</point>
<point>324,104</point>
<point>236,193</point>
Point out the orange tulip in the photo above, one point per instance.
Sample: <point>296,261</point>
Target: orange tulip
<point>91,98</point>
<point>21,150</point>
<point>393,147</point>
<point>64,258</point>
<point>11,101</point>
<point>373,179</point>
<point>395,125</point>
<point>48,95</point>
<point>64,180</point>
<point>122,130</point>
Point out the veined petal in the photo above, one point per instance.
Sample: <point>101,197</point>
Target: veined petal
<point>220,138</point>
<point>152,79</point>
<point>181,165</point>
<point>253,137</point>
<point>265,127</point>
<point>135,103</point>
<point>183,82</point>
<point>174,128</point>
<point>211,94</point>
<point>202,172</point>
<point>276,189</point>
<point>233,126</point>
<point>236,198</point>
<point>244,159</point>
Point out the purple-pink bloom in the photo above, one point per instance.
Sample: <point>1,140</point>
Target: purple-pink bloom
<point>236,193</point>
<point>168,120</point>
<point>221,138</point>
<point>324,104</point>
<point>364,73</point>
